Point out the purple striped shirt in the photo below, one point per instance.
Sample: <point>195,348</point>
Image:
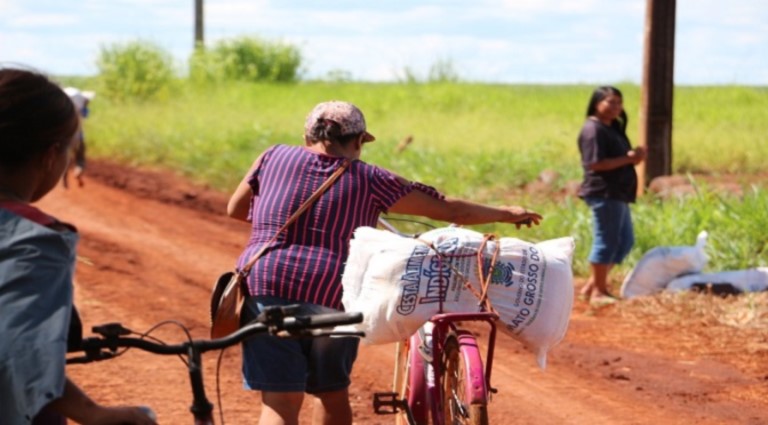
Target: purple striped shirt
<point>306,262</point>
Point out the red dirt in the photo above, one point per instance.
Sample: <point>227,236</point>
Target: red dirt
<point>152,245</point>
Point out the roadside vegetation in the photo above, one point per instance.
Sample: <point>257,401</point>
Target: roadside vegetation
<point>208,119</point>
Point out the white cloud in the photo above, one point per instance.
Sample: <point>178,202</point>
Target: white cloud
<point>5,6</point>
<point>43,20</point>
<point>547,6</point>
<point>544,8</point>
<point>492,40</point>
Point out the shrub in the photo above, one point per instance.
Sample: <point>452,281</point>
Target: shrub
<point>441,71</point>
<point>246,59</point>
<point>136,69</point>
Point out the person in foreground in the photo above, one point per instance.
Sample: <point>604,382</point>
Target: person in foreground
<point>38,322</point>
<point>609,186</point>
<point>305,264</point>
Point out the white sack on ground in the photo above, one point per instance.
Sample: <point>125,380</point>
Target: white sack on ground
<point>661,265</point>
<point>397,283</point>
<point>748,280</point>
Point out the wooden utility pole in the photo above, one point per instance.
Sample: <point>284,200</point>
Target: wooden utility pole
<point>656,92</point>
<point>199,38</point>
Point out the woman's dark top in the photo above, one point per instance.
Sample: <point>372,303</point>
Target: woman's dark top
<point>597,142</point>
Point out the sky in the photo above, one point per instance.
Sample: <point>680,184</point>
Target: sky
<point>498,41</point>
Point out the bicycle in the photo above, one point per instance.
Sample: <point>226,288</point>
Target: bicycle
<point>276,320</point>
<point>439,373</point>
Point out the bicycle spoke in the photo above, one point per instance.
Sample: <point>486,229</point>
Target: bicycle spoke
<point>458,407</point>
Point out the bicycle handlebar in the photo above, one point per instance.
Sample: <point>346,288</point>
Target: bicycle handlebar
<point>274,320</point>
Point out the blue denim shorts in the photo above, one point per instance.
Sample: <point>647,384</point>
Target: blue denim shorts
<point>612,232</point>
<point>312,365</point>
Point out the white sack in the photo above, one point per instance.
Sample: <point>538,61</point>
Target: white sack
<point>395,282</point>
<point>659,266</point>
<point>749,280</point>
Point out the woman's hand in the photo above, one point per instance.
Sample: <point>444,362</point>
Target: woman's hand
<point>522,217</point>
<point>637,155</point>
<point>76,405</point>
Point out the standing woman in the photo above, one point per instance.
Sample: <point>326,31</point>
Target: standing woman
<point>305,264</point>
<point>38,125</point>
<point>609,186</point>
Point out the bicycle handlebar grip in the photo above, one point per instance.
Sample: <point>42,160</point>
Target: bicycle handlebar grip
<point>333,319</point>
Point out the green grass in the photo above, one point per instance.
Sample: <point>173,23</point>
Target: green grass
<point>477,141</point>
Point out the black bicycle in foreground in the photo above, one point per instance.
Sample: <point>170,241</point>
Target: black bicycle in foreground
<point>278,321</point>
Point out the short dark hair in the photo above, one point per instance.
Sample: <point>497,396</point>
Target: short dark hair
<point>35,114</point>
<point>325,129</point>
<point>601,93</point>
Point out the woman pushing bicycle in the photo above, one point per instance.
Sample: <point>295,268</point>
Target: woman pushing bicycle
<point>38,127</point>
<point>322,191</point>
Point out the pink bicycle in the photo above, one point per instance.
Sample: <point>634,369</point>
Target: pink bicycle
<point>439,373</point>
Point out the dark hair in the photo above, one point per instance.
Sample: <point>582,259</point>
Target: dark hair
<point>325,129</point>
<point>601,93</point>
<point>35,114</point>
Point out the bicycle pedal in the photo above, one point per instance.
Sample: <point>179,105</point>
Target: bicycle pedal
<point>387,403</point>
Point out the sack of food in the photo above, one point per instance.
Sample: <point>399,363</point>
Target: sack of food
<point>748,280</point>
<point>399,283</point>
<point>659,266</point>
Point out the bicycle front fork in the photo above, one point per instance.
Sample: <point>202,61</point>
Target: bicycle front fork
<point>201,408</point>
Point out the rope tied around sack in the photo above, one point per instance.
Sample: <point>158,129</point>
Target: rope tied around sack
<point>485,278</point>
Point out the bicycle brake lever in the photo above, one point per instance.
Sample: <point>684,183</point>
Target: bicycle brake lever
<point>274,317</point>
<point>110,330</point>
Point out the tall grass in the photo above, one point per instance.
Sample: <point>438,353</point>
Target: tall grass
<point>501,134</point>
<point>472,140</point>
<point>720,129</point>
<point>485,134</point>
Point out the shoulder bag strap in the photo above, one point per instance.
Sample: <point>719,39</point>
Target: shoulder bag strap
<point>339,171</point>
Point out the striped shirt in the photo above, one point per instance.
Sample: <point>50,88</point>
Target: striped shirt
<point>305,263</point>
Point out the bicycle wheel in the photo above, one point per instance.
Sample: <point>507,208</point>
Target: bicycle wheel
<point>465,393</point>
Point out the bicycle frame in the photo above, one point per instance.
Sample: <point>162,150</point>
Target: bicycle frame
<point>274,320</point>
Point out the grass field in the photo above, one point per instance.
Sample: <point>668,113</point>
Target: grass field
<point>476,141</point>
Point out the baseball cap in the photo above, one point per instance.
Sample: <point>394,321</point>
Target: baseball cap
<point>348,116</point>
<point>78,97</point>
<point>72,92</point>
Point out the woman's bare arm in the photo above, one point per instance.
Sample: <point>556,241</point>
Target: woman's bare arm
<point>459,211</point>
<point>240,201</point>
<point>633,157</point>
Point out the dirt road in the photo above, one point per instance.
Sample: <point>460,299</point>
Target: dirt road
<point>152,244</point>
